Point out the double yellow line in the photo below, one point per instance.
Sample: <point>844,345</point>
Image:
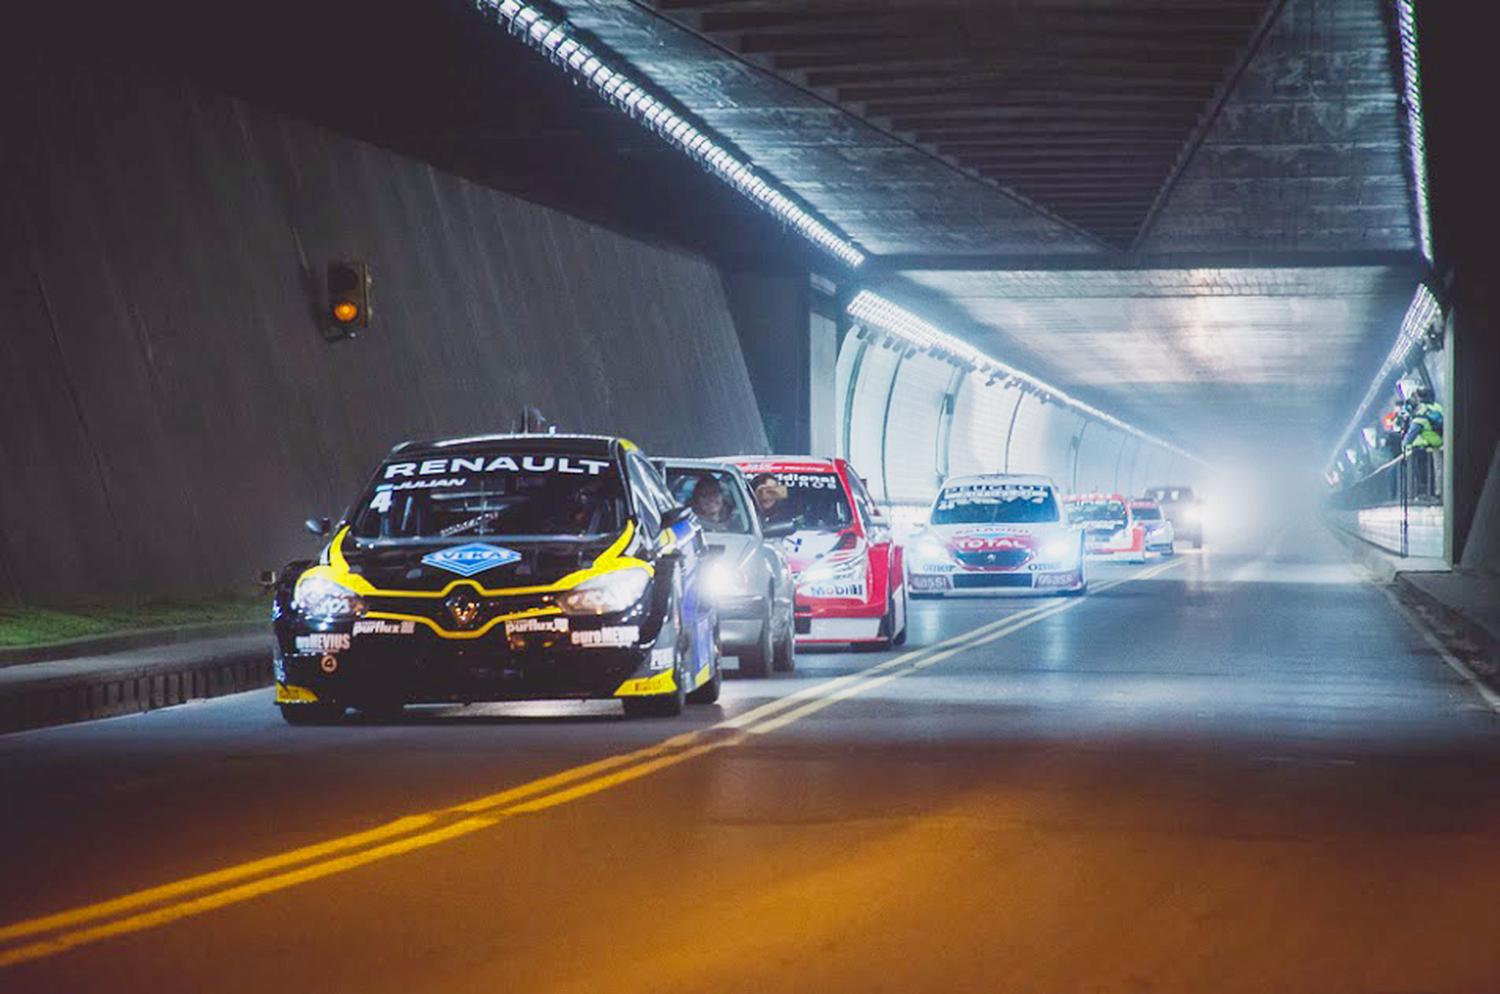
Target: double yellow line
<point>48,935</point>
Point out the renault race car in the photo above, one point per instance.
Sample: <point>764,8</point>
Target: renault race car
<point>502,567</point>
<point>1160,535</point>
<point>1109,529</point>
<point>996,531</point>
<point>850,587</point>
<point>747,573</point>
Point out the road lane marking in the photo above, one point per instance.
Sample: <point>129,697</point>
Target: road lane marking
<point>490,810</point>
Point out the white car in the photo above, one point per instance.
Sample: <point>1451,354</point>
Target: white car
<point>1160,535</point>
<point>996,531</point>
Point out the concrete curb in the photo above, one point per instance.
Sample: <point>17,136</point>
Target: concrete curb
<point>139,638</point>
<point>104,693</point>
<point>1474,644</point>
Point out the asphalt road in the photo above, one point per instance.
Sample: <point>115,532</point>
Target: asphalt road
<point>1224,772</point>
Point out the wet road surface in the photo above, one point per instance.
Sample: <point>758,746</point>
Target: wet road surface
<point>1229,771</point>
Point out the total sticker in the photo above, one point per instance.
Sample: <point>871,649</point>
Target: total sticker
<point>614,636</point>
<point>323,642</point>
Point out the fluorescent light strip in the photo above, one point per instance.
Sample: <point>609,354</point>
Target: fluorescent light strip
<point>1411,70</point>
<point>555,38</point>
<point>872,309</point>
<point>1419,314</point>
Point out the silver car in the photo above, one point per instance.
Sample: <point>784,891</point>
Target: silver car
<point>748,574</point>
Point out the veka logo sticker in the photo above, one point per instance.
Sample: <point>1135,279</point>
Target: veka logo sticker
<point>467,560</point>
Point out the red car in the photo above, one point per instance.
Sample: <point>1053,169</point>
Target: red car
<point>851,587</point>
<point>1110,530</point>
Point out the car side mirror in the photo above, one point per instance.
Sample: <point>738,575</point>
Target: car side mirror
<point>777,529</point>
<point>318,526</point>
<point>676,516</point>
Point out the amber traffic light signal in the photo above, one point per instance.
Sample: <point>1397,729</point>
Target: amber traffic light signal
<point>348,298</point>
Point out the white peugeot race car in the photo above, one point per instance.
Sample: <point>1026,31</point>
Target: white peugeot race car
<point>995,532</point>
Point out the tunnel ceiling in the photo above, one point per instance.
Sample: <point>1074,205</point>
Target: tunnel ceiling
<point>1192,213</point>
<point>1196,213</point>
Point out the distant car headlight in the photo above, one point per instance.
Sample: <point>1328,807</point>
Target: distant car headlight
<point>929,549</point>
<point>318,598</point>
<point>722,580</point>
<point>830,572</point>
<point>1059,551</point>
<point>607,594</point>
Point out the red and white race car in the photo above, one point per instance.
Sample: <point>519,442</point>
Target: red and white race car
<point>846,566</point>
<point>1110,530</point>
<point>996,531</point>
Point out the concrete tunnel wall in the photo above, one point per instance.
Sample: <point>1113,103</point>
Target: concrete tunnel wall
<point>170,410</point>
<point>893,430</point>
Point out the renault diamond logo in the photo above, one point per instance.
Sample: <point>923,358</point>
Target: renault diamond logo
<point>464,607</point>
<point>467,560</point>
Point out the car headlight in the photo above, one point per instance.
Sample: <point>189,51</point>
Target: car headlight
<point>829,572</point>
<point>320,598</point>
<point>723,580</point>
<point>607,594</point>
<point>1059,551</point>
<point>932,550</point>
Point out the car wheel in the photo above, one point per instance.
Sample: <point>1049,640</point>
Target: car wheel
<point>1171,549</point>
<point>785,659</point>
<point>756,660</point>
<point>709,692</point>
<point>900,638</point>
<point>311,714</point>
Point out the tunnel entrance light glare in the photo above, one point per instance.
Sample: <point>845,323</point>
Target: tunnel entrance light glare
<point>872,309</point>
<point>1420,314</point>
<point>555,39</point>
<point>1416,141</point>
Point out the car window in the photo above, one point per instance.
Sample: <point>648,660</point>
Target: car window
<point>995,503</point>
<point>863,502</point>
<point>716,496</point>
<point>648,504</point>
<point>813,500</point>
<point>488,492</point>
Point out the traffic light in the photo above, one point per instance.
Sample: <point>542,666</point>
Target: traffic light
<point>348,299</point>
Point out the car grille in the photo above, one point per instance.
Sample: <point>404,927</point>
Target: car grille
<point>1000,558</point>
<point>436,609</point>
<point>976,581</point>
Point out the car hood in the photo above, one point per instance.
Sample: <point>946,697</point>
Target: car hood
<point>733,548</point>
<point>489,563</point>
<point>991,538</point>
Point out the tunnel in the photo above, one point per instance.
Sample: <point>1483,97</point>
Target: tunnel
<point>762,316</point>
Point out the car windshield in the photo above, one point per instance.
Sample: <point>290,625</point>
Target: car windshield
<point>995,503</point>
<point>1146,513</point>
<point>812,500</point>
<point>491,492</point>
<point>1097,512</point>
<point>1172,494</point>
<point>716,496</point>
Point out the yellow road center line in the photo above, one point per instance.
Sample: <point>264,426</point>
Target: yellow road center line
<point>586,779</point>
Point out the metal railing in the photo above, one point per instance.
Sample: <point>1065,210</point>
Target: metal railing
<point>1398,505</point>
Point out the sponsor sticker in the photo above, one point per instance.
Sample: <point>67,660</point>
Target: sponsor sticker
<point>919,582</point>
<point>527,626</point>
<point>606,638</point>
<point>323,642</point>
<point>467,560</point>
<point>661,659</point>
<point>1056,579</point>
<point>571,465</point>
<point>854,590</point>
<point>379,627</point>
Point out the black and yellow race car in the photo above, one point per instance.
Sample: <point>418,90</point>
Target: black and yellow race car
<point>500,568</point>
